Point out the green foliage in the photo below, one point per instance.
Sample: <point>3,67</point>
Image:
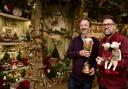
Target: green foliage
<point>52,73</point>
<point>59,67</point>
<point>11,79</point>
<point>19,56</point>
<point>66,61</point>
<point>6,57</point>
<point>55,53</point>
<point>2,74</point>
<point>8,78</point>
<point>23,72</point>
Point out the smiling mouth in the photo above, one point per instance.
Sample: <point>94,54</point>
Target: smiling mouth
<point>84,31</point>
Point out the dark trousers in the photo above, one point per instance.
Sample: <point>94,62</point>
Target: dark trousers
<point>74,83</point>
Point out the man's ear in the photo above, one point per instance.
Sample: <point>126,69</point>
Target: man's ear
<point>115,27</point>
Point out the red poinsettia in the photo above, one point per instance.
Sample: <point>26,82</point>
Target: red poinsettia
<point>46,64</point>
<point>24,85</point>
<point>25,61</point>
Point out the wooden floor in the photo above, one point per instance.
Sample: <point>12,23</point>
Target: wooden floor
<point>61,86</point>
<point>64,86</point>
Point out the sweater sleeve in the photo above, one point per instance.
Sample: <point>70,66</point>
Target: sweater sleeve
<point>124,53</point>
<point>72,53</point>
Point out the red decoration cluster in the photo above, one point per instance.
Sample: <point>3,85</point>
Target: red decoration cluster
<point>24,85</point>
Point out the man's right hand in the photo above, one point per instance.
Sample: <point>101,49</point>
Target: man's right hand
<point>84,53</point>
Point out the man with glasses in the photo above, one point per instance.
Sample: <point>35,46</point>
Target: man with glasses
<point>112,79</point>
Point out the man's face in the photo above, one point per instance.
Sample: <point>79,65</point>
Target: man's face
<point>84,26</point>
<point>108,27</point>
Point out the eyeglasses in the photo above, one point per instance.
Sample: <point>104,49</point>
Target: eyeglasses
<point>108,25</point>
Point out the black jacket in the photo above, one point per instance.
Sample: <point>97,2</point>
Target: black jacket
<point>78,61</point>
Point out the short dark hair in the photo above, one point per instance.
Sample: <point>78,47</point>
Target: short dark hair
<point>86,19</point>
<point>109,17</point>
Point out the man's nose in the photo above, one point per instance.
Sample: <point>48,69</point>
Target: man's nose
<point>106,26</point>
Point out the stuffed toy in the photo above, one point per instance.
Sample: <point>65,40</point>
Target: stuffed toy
<point>111,60</point>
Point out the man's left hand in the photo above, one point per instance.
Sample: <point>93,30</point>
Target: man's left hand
<point>92,71</point>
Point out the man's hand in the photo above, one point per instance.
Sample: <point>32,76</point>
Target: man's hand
<point>84,53</point>
<point>92,71</point>
<point>99,60</point>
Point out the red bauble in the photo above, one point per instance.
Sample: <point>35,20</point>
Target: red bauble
<point>25,61</point>
<point>8,7</point>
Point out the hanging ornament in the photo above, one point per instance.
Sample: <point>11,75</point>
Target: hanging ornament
<point>8,7</point>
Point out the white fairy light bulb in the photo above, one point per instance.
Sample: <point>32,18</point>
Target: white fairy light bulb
<point>4,78</point>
